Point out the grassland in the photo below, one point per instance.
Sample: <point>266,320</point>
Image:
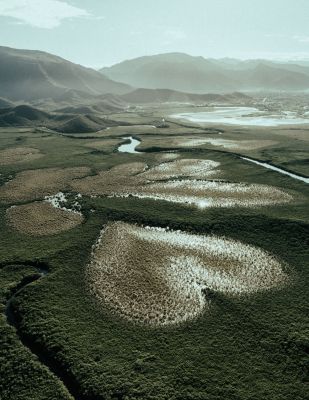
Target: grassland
<point>160,277</point>
<point>66,344</point>
<point>204,194</point>
<point>41,219</point>
<point>183,168</point>
<point>19,155</point>
<point>37,183</point>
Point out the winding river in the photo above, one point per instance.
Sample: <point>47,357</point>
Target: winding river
<point>129,147</point>
<point>9,313</point>
<point>12,319</point>
<point>280,170</point>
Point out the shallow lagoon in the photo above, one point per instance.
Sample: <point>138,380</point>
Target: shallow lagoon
<point>241,116</point>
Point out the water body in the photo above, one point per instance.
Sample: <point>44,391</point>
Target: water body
<point>18,289</point>
<point>129,147</point>
<point>282,171</point>
<point>55,369</point>
<point>242,116</point>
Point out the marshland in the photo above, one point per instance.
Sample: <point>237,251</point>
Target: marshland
<point>161,277</point>
<point>154,216</point>
<point>173,254</point>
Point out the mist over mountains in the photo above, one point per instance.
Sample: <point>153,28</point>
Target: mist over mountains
<point>144,96</point>
<point>30,75</point>
<point>182,72</point>
<point>52,83</point>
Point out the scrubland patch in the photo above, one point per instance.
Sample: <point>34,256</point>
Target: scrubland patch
<point>106,144</point>
<point>240,144</point>
<point>158,277</point>
<point>167,156</point>
<point>41,219</point>
<point>118,180</point>
<point>37,183</point>
<point>192,142</point>
<point>129,169</point>
<point>176,182</point>
<point>19,155</point>
<point>124,179</point>
<point>225,143</point>
<point>183,168</point>
<point>213,194</point>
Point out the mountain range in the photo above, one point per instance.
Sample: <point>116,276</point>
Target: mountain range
<point>182,72</point>
<point>143,96</point>
<point>31,75</point>
<point>51,83</point>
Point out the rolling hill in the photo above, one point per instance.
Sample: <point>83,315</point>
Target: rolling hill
<point>22,115</point>
<point>182,72</point>
<point>140,96</point>
<point>78,122</point>
<point>5,103</point>
<point>31,75</point>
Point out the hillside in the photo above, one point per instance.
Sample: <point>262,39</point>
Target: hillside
<point>80,124</point>
<point>97,104</point>
<point>181,72</point>
<point>87,123</point>
<point>5,103</point>
<point>22,115</point>
<point>140,96</point>
<point>31,75</point>
<point>61,121</point>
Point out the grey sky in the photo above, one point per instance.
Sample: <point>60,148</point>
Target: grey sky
<point>102,32</point>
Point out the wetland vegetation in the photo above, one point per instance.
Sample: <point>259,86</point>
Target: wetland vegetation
<point>153,242</point>
<point>156,309</point>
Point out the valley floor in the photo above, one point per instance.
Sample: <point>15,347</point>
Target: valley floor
<point>77,219</point>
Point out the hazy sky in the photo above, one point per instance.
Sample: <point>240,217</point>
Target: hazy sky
<point>102,32</point>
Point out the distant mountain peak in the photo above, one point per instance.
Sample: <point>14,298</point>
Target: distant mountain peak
<point>31,75</point>
<point>196,74</point>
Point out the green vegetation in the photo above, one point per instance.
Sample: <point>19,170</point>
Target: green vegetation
<point>22,375</point>
<point>252,347</point>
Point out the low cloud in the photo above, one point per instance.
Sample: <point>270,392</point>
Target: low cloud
<point>275,35</point>
<point>301,38</point>
<point>297,38</point>
<point>274,56</point>
<point>45,14</point>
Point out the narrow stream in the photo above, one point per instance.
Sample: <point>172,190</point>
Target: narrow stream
<point>129,147</point>
<point>9,313</point>
<point>12,320</point>
<point>282,171</point>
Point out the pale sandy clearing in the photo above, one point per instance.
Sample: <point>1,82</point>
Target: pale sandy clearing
<point>226,143</point>
<point>158,277</point>
<point>41,219</point>
<point>59,200</point>
<point>167,157</point>
<point>159,183</point>
<point>37,183</point>
<point>213,194</point>
<point>183,168</point>
<point>119,179</point>
<point>19,155</point>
